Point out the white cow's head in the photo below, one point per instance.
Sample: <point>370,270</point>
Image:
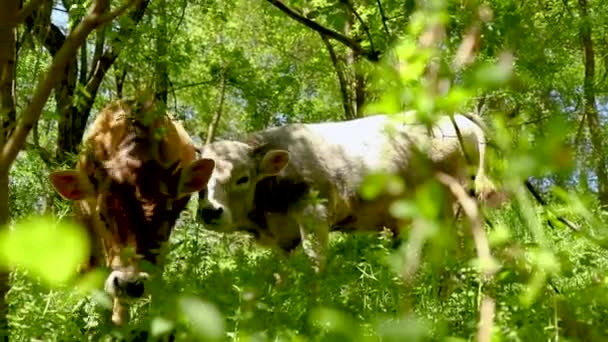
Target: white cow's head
<point>229,197</point>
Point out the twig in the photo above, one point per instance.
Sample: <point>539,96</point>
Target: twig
<point>179,23</point>
<point>540,200</point>
<point>351,43</point>
<point>486,319</point>
<point>384,18</point>
<point>530,122</point>
<point>469,206</point>
<point>363,25</point>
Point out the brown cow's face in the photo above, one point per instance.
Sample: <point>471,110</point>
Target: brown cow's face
<point>229,197</point>
<point>130,214</point>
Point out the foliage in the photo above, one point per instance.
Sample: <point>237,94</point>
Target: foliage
<point>520,64</point>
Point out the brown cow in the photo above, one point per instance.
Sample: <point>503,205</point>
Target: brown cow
<point>136,173</point>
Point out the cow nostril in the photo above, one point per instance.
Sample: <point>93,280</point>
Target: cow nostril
<point>134,289</point>
<point>210,214</point>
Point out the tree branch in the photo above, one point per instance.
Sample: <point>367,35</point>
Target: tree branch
<point>384,18</point>
<point>63,56</point>
<point>351,43</point>
<point>363,25</point>
<point>28,9</point>
<point>482,246</point>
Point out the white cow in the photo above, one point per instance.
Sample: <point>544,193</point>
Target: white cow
<point>264,185</point>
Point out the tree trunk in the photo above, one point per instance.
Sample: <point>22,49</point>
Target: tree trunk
<point>349,113</point>
<point>120,82</point>
<point>8,59</point>
<point>359,88</point>
<point>162,72</point>
<point>215,122</point>
<point>356,79</point>
<point>4,274</point>
<point>64,96</point>
<point>591,111</point>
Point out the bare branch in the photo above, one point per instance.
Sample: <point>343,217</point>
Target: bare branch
<point>469,206</point>
<point>65,54</point>
<point>486,319</point>
<point>351,43</point>
<point>471,210</point>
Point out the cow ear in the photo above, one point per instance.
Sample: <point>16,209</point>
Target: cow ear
<point>195,177</point>
<point>274,162</point>
<point>68,185</point>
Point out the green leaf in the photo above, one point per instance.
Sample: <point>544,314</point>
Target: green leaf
<point>493,75</point>
<point>403,209</point>
<point>372,186</point>
<point>160,326</point>
<point>205,319</point>
<point>49,250</point>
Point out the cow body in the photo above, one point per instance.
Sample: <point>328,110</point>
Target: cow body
<point>265,185</point>
<point>135,174</point>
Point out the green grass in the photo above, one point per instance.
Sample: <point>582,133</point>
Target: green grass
<point>360,295</point>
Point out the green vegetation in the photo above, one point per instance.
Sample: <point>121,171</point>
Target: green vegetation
<point>535,71</point>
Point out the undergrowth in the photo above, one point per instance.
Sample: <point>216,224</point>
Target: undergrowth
<point>261,295</point>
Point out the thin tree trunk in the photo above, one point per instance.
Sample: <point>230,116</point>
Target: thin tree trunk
<point>120,82</point>
<point>359,88</point>
<point>215,122</point>
<point>4,274</point>
<point>591,111</point>
<point>350,67</point>
<point>8,60</point>
<point>162,73</point>
<point>346,101</point>
<point>64,95</point>
<point>356,79</point>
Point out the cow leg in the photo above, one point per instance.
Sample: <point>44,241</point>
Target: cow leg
<point>314,231</point>
<point>119,312</point>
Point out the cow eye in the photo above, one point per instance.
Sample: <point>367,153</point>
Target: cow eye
<point>242,180</point>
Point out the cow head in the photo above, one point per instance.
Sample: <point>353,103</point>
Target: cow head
<point>128,195</point>
<point>225,205</point>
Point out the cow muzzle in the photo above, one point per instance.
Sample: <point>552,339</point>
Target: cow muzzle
<point>210,214</point>
<point>215,217</point>
<point>126,284</point>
